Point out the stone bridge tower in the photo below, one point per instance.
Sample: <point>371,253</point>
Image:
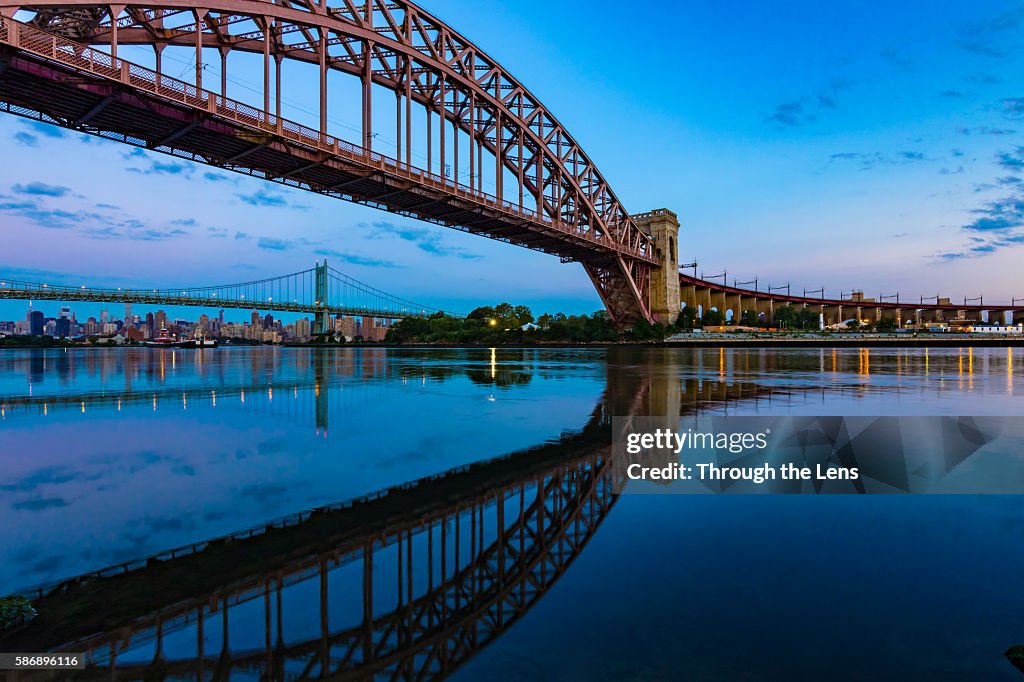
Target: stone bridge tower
<point>663,225</point>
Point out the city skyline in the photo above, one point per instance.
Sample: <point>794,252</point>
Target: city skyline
<point>845,149</point>
<point>154,321</point>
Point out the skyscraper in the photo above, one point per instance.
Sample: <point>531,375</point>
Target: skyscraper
<point>35,323</point>
<point>256,321</point>
<point>63,323</point>
<point>127,314</point>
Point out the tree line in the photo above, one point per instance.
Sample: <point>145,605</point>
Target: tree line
<point>507,324</point>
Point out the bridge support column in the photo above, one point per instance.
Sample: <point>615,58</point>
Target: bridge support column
<point>718,303</point>
<point>1018,316</point>
<point>688,296</point>
<point>733,302</point>
<point>663,298</point>
<point>833,314</point>
<point>322,321</point>
<point>705,300</point>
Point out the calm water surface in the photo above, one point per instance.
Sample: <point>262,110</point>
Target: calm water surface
<point>521,567</point>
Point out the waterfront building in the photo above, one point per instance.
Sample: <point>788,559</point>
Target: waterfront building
<point>1001,329</point>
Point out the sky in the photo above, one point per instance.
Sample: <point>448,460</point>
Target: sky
<point>850,145</point>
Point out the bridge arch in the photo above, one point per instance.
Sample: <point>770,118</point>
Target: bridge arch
<point>563,204</point>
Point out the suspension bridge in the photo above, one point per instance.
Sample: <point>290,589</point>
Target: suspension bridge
<point>320,290</point>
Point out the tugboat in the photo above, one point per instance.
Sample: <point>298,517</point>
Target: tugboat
<point>162,340</point>
<point>165,340</point>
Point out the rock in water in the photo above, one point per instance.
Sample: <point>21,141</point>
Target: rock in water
<point>15,612</point>
<point>1016,656</point>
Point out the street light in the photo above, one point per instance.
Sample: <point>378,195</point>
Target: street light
<point>494,323</point>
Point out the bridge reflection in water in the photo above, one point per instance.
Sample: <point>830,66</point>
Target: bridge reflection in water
<point>294,385</point>
<point>407,583</point>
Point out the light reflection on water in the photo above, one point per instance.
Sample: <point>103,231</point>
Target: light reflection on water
<point>135,451</point>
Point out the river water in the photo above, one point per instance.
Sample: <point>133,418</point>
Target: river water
<point>108,457</point>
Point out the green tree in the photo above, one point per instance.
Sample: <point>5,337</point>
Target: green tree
<point>687,318</point>
<point>887,324</point>
<point>712,318</point>
<point>808,319</point>
<point>750,318</point>
<point>785,317</point>
<point>523,315</point>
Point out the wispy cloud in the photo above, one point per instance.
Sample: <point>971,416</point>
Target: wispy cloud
<point>355,259</point>
<point>998,223</point>
<point>45,129</point>
<point>272,244</point>
<point>426,239</point>
<point>807,108</point>
<point>1001,215</point>
<point>40,189</point>
<point>983,79</point>
<point>265,199</point>
<point>1013,107</point>
<point>170,168</point>
<point>987,38</point>
<point>318,247</point>
<point>895,57</point>
<point>26,139</point>
<point>1012,160</point>
<point>984,130</point>
<point>869,160</point>
<point>210,176</point>
<point>102,221</point>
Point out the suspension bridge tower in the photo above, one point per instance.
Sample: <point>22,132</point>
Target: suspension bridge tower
<point>322,321</point>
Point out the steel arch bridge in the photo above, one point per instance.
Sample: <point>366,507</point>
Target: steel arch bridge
<point>542,190</point>
<point>320,290</point>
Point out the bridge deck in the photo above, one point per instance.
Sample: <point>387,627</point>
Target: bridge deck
<point>779,298</point>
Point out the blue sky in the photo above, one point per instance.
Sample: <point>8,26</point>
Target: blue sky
<point>850,145</point>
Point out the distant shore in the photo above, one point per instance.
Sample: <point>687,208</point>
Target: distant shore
<point>856,342</point>
<point>688,342</point>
